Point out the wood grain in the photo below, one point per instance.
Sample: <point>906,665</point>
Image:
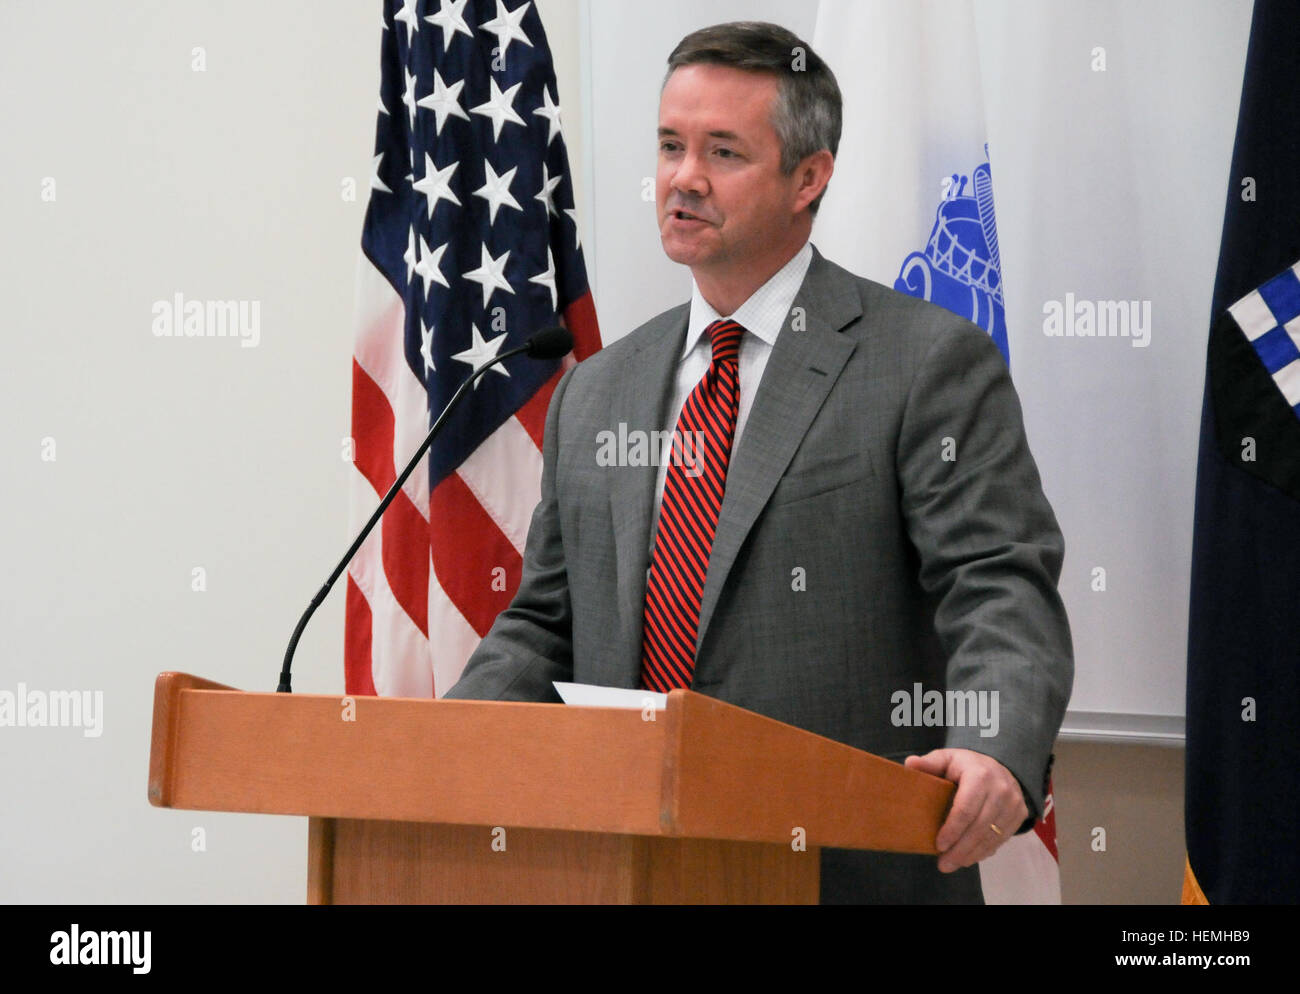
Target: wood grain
<point>381,862</point>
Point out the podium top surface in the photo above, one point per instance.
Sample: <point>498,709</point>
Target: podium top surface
<point>701,768</point>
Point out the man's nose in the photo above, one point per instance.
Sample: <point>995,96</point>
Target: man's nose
<point>690,176</point>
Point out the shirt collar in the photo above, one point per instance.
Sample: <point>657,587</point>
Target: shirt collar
<point>764,313</point>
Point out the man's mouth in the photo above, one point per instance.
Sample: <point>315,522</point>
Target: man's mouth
<point>685,216</point>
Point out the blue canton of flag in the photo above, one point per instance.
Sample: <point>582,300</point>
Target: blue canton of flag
<point>471,216</point>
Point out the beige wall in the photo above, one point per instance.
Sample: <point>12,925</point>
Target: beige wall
<point>1135,794</point>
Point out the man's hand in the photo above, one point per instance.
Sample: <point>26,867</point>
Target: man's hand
<point>987,795</point>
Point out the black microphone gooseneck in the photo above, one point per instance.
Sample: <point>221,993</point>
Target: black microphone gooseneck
<point>549,343</point>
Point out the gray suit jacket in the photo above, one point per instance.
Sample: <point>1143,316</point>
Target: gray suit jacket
<point>883,525</point>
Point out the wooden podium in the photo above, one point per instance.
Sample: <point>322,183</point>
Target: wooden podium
<point>466,802</point>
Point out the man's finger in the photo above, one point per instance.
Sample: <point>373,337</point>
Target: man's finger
<point>978,842</point>
<point>936,762</point>
<point>967,803</point>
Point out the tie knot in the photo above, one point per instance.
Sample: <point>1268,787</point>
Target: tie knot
<point>725,335</point>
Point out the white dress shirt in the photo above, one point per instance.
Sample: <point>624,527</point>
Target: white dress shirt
<point>762,316</point>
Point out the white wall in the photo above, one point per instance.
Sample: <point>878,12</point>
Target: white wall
<point>1111,185</point>
<point>171,453</point>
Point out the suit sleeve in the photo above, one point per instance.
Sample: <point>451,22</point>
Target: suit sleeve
<point>531,642</point>
<point>990,553</point>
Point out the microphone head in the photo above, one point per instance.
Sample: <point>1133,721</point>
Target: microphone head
<point>550,343</point>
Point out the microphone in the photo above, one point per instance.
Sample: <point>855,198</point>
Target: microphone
<point>549,343</point>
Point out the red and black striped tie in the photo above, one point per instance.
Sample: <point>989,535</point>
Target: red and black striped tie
<point>688,515</point>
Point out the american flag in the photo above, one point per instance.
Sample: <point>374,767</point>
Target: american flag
<point>470,245</point>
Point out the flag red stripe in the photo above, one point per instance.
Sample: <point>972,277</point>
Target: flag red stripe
<point>356,646</point>
<point>580,319</point>
<point>467,548</point>
<point>533,414</point>
<point>1045,827</point>
<point>372,431</point>
<point>406,536</point>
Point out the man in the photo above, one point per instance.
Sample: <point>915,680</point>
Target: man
<point>863,516</point>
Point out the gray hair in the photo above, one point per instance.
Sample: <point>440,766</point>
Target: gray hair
<point>807,114</point>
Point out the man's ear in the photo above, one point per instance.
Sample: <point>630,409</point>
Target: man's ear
<point>813,173</point>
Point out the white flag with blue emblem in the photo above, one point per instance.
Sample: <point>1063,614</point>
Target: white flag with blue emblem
<point>911,206</point>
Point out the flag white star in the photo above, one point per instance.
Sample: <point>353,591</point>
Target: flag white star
<point>451,19</point>
<point>499,108</point>
<point>426,348</point>
<point>547,278</point>
<point>491,274</point>
<point>506,26</point>
<point>375,182</point>
<point>408,96</point>
<point>436,184</point>
<point>481,352</point>
<point>409,255</point>
<point>429,266</point>
<point>551,111</point>
<point>444,101</point>
<point>410,17</point>
<point>496,190</point>
<point>547,194</point>
<point>573,216</point>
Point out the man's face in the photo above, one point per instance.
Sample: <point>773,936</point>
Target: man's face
<point>720,161</point>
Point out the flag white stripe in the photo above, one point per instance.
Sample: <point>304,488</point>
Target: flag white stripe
<point>401,666</point>
<point>505,475</point>
<point>380,333</point>
<point>453,638</point>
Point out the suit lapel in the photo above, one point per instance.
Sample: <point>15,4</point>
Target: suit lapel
<point>801,370</point>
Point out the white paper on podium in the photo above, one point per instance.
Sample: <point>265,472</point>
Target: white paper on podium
<point>588,695</point>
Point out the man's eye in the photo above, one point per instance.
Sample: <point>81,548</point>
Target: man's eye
<point>667,146</point>
<point>726,153</point>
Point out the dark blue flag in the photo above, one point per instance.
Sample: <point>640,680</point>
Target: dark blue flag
<point>1243,660</point>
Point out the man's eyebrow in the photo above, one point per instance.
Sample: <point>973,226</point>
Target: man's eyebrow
<point>726,135</point>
